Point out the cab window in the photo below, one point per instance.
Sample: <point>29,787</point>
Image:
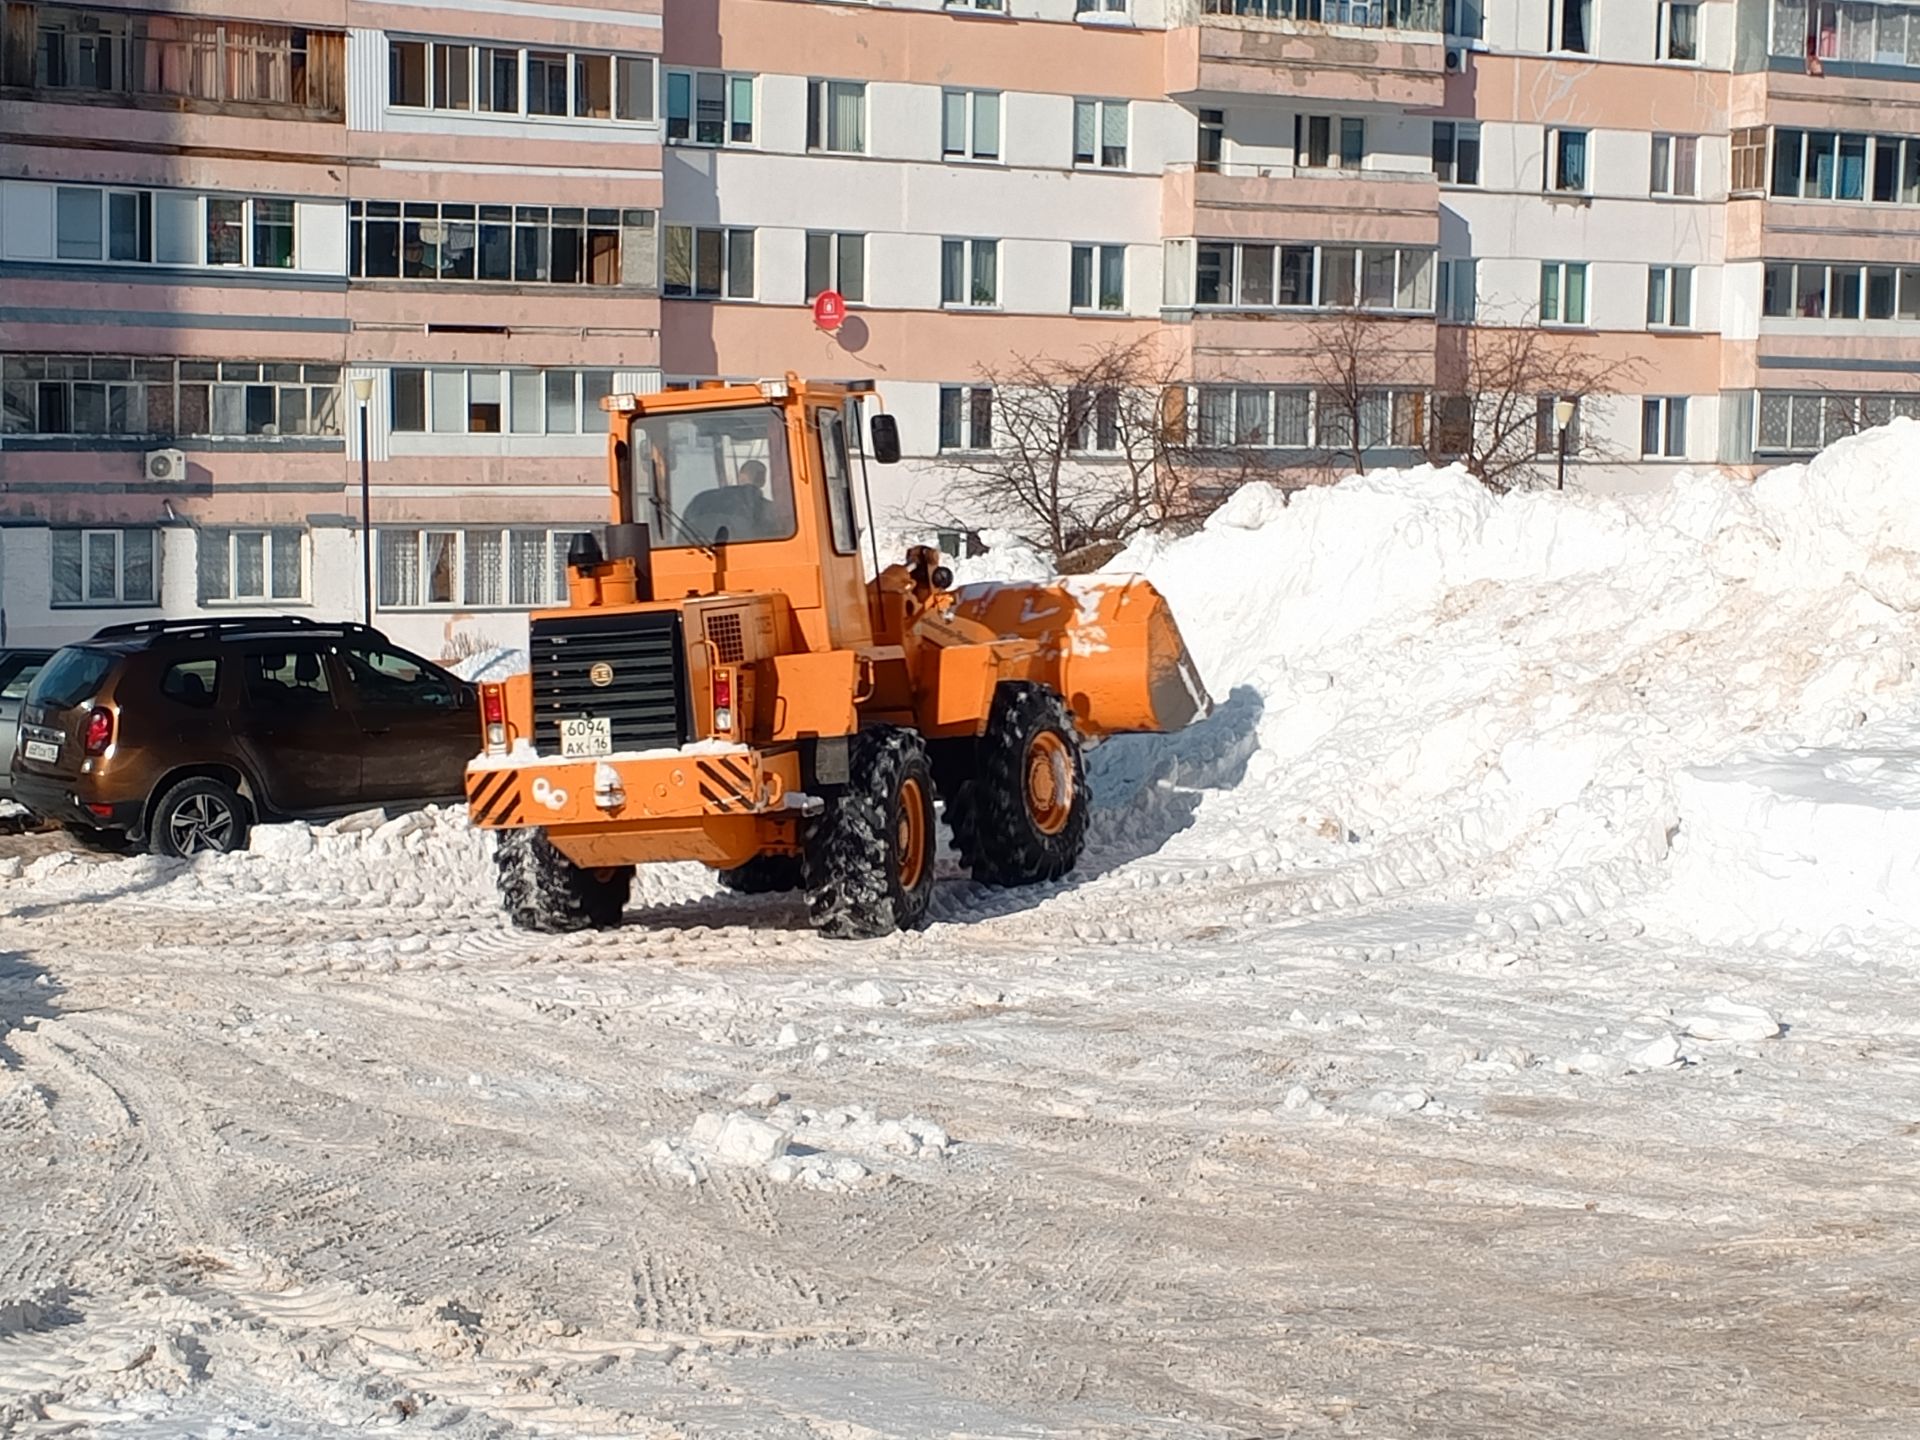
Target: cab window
<point>713,477</point>
<point>839,477</point>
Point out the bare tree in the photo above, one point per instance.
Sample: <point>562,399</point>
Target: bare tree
<point>1073,454</point>
<point>1497,382</point>
<point>1363,365</point>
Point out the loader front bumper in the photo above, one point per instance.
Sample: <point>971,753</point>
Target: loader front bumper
<point>516,790</point>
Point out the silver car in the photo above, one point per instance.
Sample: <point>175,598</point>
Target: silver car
<point>17,669</point>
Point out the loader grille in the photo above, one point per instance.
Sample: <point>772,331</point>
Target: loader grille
<point>645,699</point>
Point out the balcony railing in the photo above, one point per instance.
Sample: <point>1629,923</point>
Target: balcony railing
<point>1421,15</point>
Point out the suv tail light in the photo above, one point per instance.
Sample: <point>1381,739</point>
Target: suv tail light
<point>493,710</point>
<point>722,700</point>
<point>99,731</point>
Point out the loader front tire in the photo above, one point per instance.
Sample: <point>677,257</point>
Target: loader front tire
<point>541,889</point>
<point>1022,818</point>
<point>869,855</point>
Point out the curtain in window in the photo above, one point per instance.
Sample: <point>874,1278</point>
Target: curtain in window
<point>1084,120</point>
<point>66,567</point>
<point>527,567</point>
<point>484,570</point>
<point>212,548</point>
<point>953,272</point>
<point>286,565</point>
<point>399,568</point>
<point>249,565</point>
<point>1113,134</point>
<point>986,126</point>
<point>986,272</point>
<point>953,122</point>
<point>847,124</point>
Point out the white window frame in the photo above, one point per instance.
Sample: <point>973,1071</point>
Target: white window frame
<point>249,222</point>
<point>729,278</point>
<point>820,117</point>
<point>1667,170</point>
<point>1659,415</point>
<point>588,417</point>
<point>1663,35</point>
<point>1337,127</point>
<point>1099,9</point>
<point>1454,279</point>
<point>1100,107</point>
<point>554,593</point>
<point>838,243</point>
<point>272,541</point>
<point>1670,297</point>
<point>1555,166</point>
<point>969,253</point>
<point>969,151</point>
<point>618,89</point>
<point>968,399</point>
<point>1458,133</point>
<point>1561,269</point>
<point>119,599</point>
<point>991,6</point>
<point>1096,257</point>
<point>143,205</point>
<point>734,84</point>
<point>1556,25</point>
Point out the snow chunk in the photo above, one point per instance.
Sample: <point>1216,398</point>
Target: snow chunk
<point>1723,1019</point>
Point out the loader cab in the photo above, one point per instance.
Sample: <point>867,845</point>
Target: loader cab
<point>751,488</point>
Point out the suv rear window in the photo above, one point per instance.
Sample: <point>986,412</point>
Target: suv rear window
<point>70,677</point>
<point>192,682</point>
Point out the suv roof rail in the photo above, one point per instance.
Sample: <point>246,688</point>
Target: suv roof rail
<point>230,625</point>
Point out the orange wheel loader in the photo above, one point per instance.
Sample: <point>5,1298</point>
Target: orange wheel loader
<point>726,684</point>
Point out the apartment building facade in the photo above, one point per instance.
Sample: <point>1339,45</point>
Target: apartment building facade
<point>491,212</point>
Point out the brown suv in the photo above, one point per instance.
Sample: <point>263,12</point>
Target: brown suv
<point>179,734</point>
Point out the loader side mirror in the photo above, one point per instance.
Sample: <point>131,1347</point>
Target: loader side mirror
<point>886,440</point>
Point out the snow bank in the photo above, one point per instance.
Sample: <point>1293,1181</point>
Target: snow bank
<point>495,664</point>
<point>1414,665</point>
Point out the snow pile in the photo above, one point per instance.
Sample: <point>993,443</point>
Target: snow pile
<point>1407,662</point>
<point>831,1150</point>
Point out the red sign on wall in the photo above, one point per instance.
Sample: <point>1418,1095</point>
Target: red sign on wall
<point>829,309</point>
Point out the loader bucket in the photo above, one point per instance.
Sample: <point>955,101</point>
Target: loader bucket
<point>1108,644</point>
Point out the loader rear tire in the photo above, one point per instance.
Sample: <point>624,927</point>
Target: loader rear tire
<point>762,875</point>
<point>542,890</point>
<point>1022,818</point>
<point>869,856</point>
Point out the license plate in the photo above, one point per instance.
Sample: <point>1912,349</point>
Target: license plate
<point>585,738</point>
<point>41,750</point>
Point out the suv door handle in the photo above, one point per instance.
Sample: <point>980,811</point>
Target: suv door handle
<point>377,729</point>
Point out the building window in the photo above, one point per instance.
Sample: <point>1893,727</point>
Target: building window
<point>522,244</point>
<point>1679,34</point>
<point>837,116</point>
<point>1859,32</point>
<point>252,565</point>
<point>1099,7</point>
<point>1802,423</point>
<point>1339,277</point>
<point>970,124</point>
<point>966,417</point>
<point>513,567</point>
<point>970,272</point>
<point>837,262</point>
<point>1840,292</point>
<point>459,77</point>
<point>1456,152</point>
<point>1830,165</point>
<point>708,107</point>
<point>1213,141</point>
<point>1457,292</point>
<point>1463,19</point>
<point>1250,417</point>
<point>1563,293</point>
<point>488,402</point>
<point>1099,277</point>
<point>1749,158</point>
<point>1546,431</point>
<point>994,5</point>
<point>256,233</point>
<point>1663,427</point>
<point>1329,141</point>
<point>1675,164</point>
<point>163,399</point>
<point>1376,278</point>
<point>1572,25</point>
<point>709,264</point>
<point>1670,296</point>
<point>1566,160</point>
<point>104,567</point>
<point>101,56</point>
<point>1100,134</point>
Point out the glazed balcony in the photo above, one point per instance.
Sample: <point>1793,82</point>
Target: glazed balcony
<point>1286,202</point>
<point>1386,53</point>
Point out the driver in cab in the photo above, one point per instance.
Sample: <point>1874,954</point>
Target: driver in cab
<point>745,510</point>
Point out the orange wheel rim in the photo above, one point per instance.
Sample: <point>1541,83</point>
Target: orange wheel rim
<point>910,835</point>
<point>1049,783</point>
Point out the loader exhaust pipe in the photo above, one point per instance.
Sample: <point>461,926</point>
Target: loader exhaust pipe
<point>631,541</point>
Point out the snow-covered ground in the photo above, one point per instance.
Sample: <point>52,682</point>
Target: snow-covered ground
<point>1497,1019</point>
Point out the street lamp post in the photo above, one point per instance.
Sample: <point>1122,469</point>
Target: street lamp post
<point>363,392</point>
<point>1563,418</point>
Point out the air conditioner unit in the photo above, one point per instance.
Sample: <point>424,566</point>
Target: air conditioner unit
<point>166,464</point>
<point>1457,59</point>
